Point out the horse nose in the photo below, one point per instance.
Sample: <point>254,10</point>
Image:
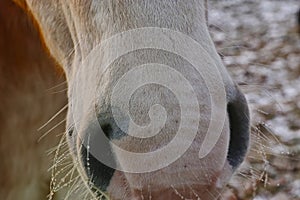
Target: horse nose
<point>239,119</point>
<point>103,131</point>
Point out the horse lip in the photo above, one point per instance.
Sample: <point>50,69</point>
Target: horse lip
<point>177,193</point>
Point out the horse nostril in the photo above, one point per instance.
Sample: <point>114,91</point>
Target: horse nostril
<point>95,150</point>
<point>108,130</point>
<point>239,120</point>
<point>70,131</point>
<point>109,127</point>
<point>98,173</point>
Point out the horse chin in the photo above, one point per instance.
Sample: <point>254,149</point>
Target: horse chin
<point>184,192</point>
<point>189,190</point>
<point>160,185</point>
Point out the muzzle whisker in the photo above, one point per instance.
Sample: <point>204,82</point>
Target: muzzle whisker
<point>54,116</point>
<point>50,130</point>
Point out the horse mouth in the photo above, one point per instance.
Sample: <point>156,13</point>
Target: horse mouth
<point>177,193</point>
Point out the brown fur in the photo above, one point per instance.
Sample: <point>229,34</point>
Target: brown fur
<point>26,74</point>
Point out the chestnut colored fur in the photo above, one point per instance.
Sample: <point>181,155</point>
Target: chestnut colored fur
<point>26,74</point>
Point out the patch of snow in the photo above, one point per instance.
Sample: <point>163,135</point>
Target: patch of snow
<point>296,188</point>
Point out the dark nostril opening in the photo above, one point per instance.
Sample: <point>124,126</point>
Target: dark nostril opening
<point>108,130</point>
<point>238,113</point>
<point>109,127</point>
<point>95,152</point>
<point>98,173</point>
<point>71,131</point>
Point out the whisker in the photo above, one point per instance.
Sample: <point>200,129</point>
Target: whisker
<point>49,131</point>
<point>73,187</point>
<point>54,116</point>
<point>54,167</point>
<point>54,149</point>
<point>177,192</point>
<point>194,192</point>
<point>58,85</point>
<point>60,91</point>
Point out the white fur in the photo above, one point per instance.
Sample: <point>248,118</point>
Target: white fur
<point>72,29</point>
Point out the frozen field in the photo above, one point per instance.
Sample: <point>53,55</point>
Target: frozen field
<point>261,47</point>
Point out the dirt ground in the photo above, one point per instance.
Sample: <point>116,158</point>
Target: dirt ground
<point>260,45</point>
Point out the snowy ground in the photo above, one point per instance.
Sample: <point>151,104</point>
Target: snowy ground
<point>261,48</point>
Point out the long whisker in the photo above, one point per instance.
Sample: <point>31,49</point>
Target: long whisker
<point>60,91</point>
<point>54,127</point>
<point>52,118</point>
<point>57,86</point>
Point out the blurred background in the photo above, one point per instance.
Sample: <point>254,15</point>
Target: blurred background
<point>259,42</point>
